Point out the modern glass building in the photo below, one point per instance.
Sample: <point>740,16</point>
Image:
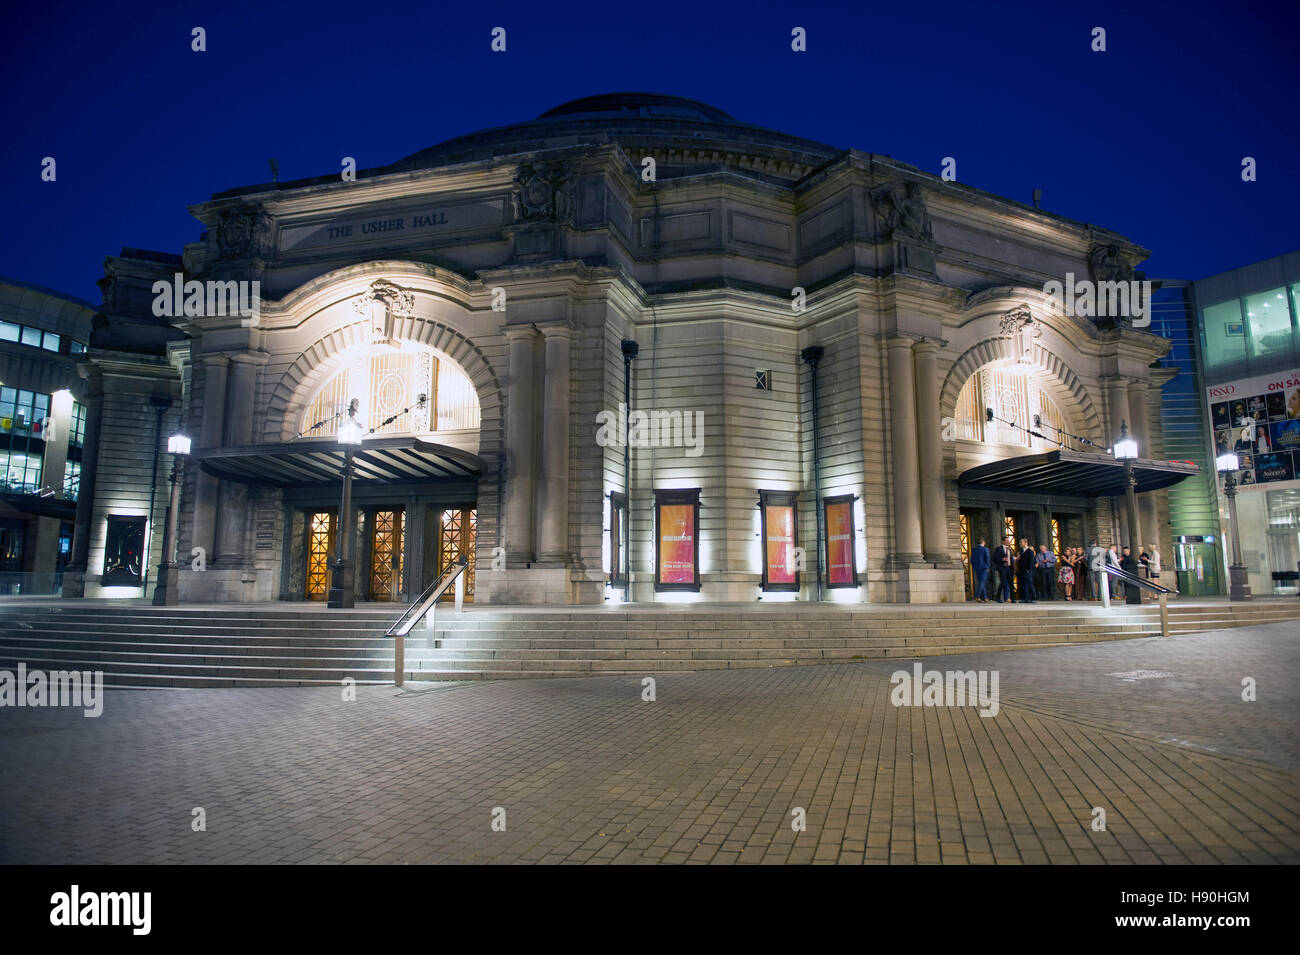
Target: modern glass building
<point>43,334</point>
<point>1250,362</point>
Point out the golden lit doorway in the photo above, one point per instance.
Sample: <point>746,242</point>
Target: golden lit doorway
<point>456,528</point>
<point>388,532</point>
<point>320,552</point>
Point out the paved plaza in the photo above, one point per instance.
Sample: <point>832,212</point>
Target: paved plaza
<point>710,771</point>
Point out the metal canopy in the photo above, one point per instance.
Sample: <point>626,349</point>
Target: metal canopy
<point>1074,472</point>
<point>320,462</point>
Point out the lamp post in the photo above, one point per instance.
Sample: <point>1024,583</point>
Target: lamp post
<point>1238,586</point>
<point>165,594</point>
<point>342,589</point>
<point>1126,450</point>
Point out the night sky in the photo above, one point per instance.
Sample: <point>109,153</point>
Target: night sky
<point>1146,138</point>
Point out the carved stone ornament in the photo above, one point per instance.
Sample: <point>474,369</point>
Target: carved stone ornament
<point>1022,328</point>
<point>108,286</point>
<point>397,300</point>
<point>900,207</point>
<point>1108,264</point>
<point>244,231</point>
<point>540,195</point>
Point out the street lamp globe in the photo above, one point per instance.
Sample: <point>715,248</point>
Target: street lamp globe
<point>1126,448</point>
<point>1227,462</point>
<point>351,430</point>
<point>178,444</point>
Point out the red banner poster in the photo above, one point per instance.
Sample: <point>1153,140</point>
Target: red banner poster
<point>779,520</point>
<point>677,543</point>
<point>839,544</point>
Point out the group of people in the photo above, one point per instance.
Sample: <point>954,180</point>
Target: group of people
<point>1031,574</point>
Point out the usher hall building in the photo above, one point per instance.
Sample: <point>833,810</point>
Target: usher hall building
<point>631,349</point>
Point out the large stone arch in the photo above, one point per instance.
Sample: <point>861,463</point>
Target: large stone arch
<point>449,295</point>
<point>314,366</point>
<point>1065,387</point>
<point>1051,355</point>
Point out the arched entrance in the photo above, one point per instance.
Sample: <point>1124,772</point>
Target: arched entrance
<point>410,526</point>
<point>1007,408</point>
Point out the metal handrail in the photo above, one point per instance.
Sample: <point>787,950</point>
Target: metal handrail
<point>1110,570</point>
<point>1125,576</point>
<point>424,604</point>
<point>426,600</point>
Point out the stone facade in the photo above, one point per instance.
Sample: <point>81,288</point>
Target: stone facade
<point>527,256</point>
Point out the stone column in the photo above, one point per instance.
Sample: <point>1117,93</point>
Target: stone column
<point>211,432</point>
<point>553,496</point>
<point>902,448</point>
<point>232,522</point>
<point>1117,414</point>
<point>520,441</point>
<point>74,578</point>
<point>1140,428</point>
<point>934,509</point>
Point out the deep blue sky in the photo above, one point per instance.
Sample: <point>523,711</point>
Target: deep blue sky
<point>1146,139</point>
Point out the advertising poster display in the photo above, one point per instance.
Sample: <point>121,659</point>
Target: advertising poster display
<point>1259,420</point>
<point>676,540</point>
<point>841,567</point>
<point>779,541</point>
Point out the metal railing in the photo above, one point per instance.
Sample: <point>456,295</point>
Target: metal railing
<point>425,605</point>
<point>1109,570</point>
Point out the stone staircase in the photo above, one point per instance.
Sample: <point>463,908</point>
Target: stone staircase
<point>137,645</point>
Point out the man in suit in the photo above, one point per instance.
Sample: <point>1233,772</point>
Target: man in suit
<point>1003,557</point>
<point>1045,585</point>
<point>1096,557</point>
<point>1128,563</point>
<point>979,563</point>
<point>1112,560</point>
<point>1025,572</point>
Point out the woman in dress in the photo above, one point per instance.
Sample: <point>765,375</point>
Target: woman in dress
<point>1065,574</point>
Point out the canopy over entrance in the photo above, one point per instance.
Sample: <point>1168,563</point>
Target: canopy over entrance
<point>320,462</point>
<point>1074,472</point>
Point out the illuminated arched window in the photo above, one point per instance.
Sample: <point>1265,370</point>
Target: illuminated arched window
<point>386,380</point>
<point>1015,394</point>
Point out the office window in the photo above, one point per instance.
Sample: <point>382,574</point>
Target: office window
<point>77,348</point>
<point>31,336</point>
<point>50,342</point>
<point>1268,315</point>
<point>1225,334</point>
<point>9,332</point>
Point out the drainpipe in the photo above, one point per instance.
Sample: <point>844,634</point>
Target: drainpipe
<point>813,355</point>
<point>630,349</point>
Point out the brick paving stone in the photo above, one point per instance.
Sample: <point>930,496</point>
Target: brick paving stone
<point>1186,772</point>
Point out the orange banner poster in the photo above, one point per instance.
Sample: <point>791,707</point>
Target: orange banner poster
<point>779,520</point>
<point>839,544</point>
<point>677,543</point>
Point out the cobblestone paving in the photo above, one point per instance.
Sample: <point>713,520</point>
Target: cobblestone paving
<point>588,772</point>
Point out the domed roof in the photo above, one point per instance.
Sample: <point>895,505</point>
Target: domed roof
<point>642,124</point>
<point>639,106</point>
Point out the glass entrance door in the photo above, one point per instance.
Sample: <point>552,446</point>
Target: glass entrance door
<point>456,527</point>
<point>320,552</point>
<point>387,536</point>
